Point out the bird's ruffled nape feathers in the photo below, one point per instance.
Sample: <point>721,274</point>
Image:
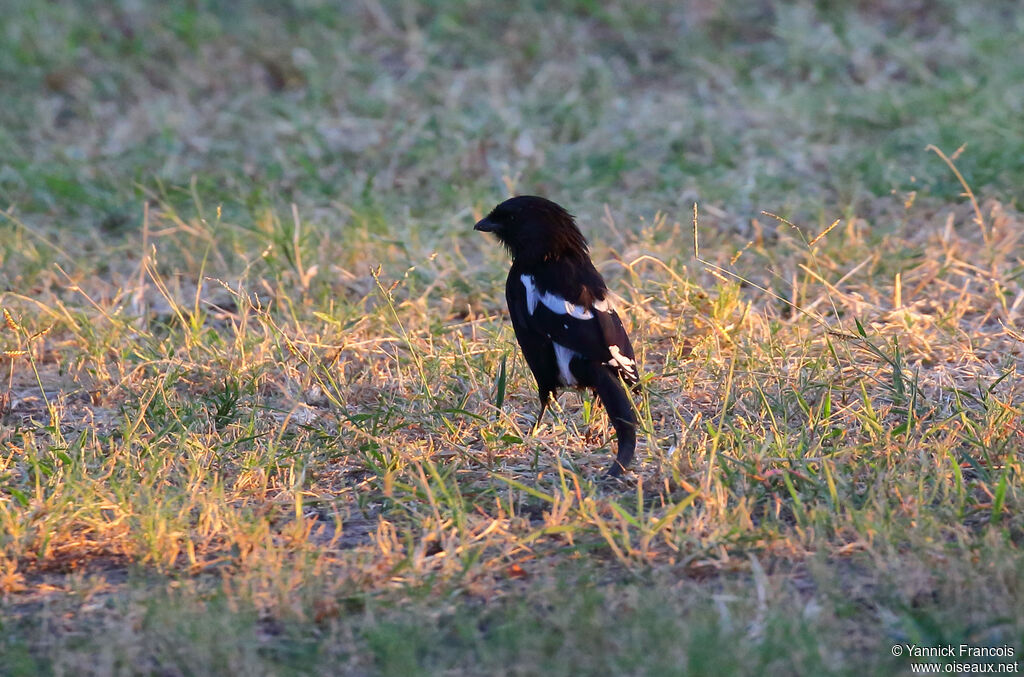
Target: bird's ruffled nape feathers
<point>536,229</point>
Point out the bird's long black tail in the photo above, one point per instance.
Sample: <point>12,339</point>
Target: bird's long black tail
<point>620,411</point>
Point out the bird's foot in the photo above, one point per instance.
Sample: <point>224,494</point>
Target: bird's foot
<point>614,472</point>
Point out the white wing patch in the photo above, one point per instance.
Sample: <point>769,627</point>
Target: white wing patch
<point>553,302</point>
<point>564,356</point>
<point>620,361</point>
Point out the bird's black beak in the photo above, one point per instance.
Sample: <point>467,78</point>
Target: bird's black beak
<point>486,226</point>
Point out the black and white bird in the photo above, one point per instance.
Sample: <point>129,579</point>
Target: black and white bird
<point>561,313</point>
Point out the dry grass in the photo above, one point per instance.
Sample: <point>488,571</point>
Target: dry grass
<point>242,433</point>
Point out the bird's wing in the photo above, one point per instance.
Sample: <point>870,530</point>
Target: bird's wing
<point>536,345</point>
<point>593,331</point>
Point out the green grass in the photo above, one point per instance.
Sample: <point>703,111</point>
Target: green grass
<point>261,411</point>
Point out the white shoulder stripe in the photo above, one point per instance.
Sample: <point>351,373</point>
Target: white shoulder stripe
<point>557,304</point>
<point>553,302</point>
<point>531,293</point>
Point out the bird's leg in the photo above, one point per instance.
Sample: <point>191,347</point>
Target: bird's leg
<point>544,399</point>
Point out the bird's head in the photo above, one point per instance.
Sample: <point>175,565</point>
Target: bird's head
<point>534,229</point>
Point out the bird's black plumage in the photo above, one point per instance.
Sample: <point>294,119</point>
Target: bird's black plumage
<point>564,322</point>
